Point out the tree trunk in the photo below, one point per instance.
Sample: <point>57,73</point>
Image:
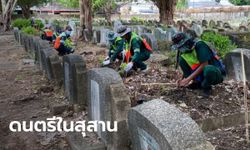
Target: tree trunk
<point>88,17</point>
<point>26,11</point>
<point>108,12</point>
<point>7,10</point>
<point>166,10</point>
<point>82,19</point>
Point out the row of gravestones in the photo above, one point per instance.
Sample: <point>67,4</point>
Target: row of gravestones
<point>152,125</point>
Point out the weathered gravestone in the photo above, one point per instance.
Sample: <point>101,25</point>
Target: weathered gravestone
<point>117,24</point>
<point>212,24</point>
<point>151,40</point>
<point>243,28</point>
<point>157,125</point>
<point>198,29</point>
<point>55,63</point>
<point>75,79</point>
<point>234,66</point>
<point>159,34</point>
<point>170,32</point>
<point>42,44</point>
<point>204,23</point>
<point>16,34</point>
<point>103,37</point>
<point>45,55</point>
<point>219,24</point>
<point>108,101</point>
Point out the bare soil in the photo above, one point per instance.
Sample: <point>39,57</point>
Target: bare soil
<point>227,98</point>
<point>24,96</point>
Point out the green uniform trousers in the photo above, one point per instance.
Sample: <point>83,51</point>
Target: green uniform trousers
<point>211,75</point>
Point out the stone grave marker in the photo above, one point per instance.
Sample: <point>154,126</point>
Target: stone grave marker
<point>219,24</point>
<point>117,24</point>
<point>198,29</point>
<point>55,63</point>
<point>170,32</point>
<point>75,79</point>
<point>212,24</point>
<point>204,23</point>
<point>243,28</point>
<point>45,54</point>
<point>42,44</point>
<point>103,37</point>
<point>157,125</point>
<point>160,34</point>
<point>151,40</point>
<point>233,64</point>
<point>108,101</point>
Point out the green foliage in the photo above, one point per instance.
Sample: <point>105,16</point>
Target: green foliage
<point>222,44</point>
<point>30,30</point>
<point>240,2</point>
<point>69,3</point>
<point>102,4</point>
<point>39,24</point>
<point>30,3</point>
<point>137,20</point>
<point>21,23</point>
<point>181,4</point>
<point>123,66</point>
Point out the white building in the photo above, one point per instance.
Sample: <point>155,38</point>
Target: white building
<point>139,7</point>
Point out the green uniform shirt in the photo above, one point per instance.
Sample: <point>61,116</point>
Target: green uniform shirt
<point>117,48</point>
<point>137,47</point>
<point>204,54</point>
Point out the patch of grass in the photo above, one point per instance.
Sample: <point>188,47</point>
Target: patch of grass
<point>19,78</point>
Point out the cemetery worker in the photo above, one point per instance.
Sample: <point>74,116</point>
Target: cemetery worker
<point>116,48</point>
<point>32,22</point>
<point>137,50</point>
<point>199,64</point>
<point>63,43</point>
<point>47,34</point>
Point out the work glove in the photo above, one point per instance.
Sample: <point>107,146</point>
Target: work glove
<point>107,58</point>
<point>106,62</point>
<point>129,67</point>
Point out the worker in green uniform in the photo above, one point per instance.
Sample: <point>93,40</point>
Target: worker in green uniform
<point>116,48</point>
<point>137,49</point>
<point>199,64</point>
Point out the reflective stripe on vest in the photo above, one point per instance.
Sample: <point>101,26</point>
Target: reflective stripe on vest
<point>191,59</point>
<point>114,46</point>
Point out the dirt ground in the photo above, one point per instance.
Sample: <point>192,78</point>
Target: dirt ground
<point>24,95</point>
<point>25,92</point>
<point>226,98</point>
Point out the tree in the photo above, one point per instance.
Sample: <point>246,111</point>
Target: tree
<point>240,2</point>
<point>166,10</point>
<point>107,6</point>
<point>27,4</point>
<point>7,10</point>
<point>69,3</point>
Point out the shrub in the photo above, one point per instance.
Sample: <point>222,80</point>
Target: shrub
<point>30,30</point>
<point>137,20</point>
<point>222,44</point>
<point>21,23</point>
<point>39,24</point>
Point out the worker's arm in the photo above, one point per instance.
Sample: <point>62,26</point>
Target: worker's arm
<point>118,50</point>
<point>196,73</point>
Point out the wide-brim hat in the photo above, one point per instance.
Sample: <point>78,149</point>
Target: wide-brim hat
<point>111,36</point>
<point>180,43</point>
<point>123,31</point>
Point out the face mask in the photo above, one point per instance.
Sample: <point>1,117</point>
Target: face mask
<point>185,49</point>
<point>68,33</point>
